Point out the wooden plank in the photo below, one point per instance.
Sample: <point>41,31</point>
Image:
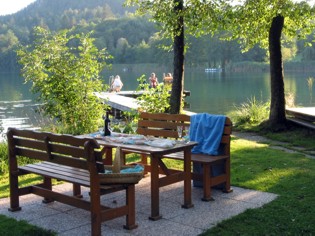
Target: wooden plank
<point>118,102</point>
<point>302,123</point>
<point>303,113</point>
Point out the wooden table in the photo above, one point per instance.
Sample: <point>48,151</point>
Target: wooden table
<point>156,155</point>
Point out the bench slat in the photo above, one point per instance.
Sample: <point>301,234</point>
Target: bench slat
<point>43,172</point>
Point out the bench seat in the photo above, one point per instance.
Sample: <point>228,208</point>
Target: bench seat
<point>65,173</point>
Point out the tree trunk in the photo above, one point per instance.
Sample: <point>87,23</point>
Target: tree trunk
<point>277,119</point>
<point>178,74</point>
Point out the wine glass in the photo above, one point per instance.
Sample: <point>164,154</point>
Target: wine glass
<point>186,137</point>
<point>122,125</point>
<point>101,131</point>
<point>180,132</point>
<point>134,127</point>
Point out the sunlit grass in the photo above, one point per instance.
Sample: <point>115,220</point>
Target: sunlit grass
<point>290,175</point>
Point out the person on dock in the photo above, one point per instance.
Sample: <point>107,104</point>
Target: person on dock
<point>117,84</point>
<point>153,80</point>
<point>168,79</point>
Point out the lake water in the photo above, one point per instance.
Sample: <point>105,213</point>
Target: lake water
<point>211,92</point>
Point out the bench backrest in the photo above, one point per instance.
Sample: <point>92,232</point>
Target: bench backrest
<point>165,125</point>
<point>61,149</point>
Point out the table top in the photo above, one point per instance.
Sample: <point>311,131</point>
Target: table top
<point>110,141</point>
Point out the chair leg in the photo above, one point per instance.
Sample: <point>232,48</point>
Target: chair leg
<point>206,183</point>
<point>227,185</point>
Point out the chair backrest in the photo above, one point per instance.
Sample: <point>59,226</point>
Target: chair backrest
<point>165,125</point>
<point>161,124</point>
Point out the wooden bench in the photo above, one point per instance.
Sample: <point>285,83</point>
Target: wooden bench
<point>70,159</point>
<point>165,125</point>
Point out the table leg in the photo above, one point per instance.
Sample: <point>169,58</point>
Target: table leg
<point>155,195</point>
<point>187,181</point>
<point>108,156</point>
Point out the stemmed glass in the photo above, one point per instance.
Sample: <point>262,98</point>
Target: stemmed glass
<point>186,137</point>
<point>180,132</point>
<point>101,131</point>
<point>122,125</point>
<point>134,127</point>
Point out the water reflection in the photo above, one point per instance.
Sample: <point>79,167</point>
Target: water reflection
<point>214,93</point>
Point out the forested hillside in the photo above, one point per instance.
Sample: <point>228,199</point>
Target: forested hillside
<point>129,39</point>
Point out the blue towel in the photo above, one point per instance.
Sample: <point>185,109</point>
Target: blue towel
<point>207,130</point>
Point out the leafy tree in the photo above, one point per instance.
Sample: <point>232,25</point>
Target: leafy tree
<point>64,71</point>
<point>173,17</point>
<point>7,41</point>
<point>266,22</point>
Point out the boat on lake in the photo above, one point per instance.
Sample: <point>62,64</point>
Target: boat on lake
<point>213,70</point>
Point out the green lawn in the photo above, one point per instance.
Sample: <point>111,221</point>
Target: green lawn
<point>257,166</point>
<point>291,176</point>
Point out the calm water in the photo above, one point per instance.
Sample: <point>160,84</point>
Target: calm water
<point>210,92</point>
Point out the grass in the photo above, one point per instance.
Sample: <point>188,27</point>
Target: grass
<point>12,227</point>
<point>257,166</point>
<point>291,176</point>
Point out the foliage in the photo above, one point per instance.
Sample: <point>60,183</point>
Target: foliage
<point>112,23</point>
<point>64,71</point>
<point>251,113</point>
<point>298,21</point>
<point>155,100</point>
<point>162,12</point>
<point>176,18</point>
<point>3,157</point>
<point>271,24</point>
<point>1,128</point>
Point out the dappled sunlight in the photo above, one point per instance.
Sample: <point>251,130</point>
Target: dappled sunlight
<point>238,144</point>
<point>255,165</point>
<point>269,179</point>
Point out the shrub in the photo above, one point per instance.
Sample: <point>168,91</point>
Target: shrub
<point>64,71</point>
<point>252,112</point>
<point>155,100</point>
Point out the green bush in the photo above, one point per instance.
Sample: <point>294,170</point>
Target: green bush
<point>64,70</point>
<point>3,158</point>
<point>154,100</point>
<point>252,112</point>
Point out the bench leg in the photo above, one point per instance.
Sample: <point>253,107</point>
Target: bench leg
<point>96,219</point>
<point>130,202</point>
<point>206,183</point>
<point>14,193</point>
<point>47,185</point>
<point>77,191</point>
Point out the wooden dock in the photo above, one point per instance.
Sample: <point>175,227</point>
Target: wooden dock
<point>119,102</point>
<point>135,94</point>
<point>304,116</point>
